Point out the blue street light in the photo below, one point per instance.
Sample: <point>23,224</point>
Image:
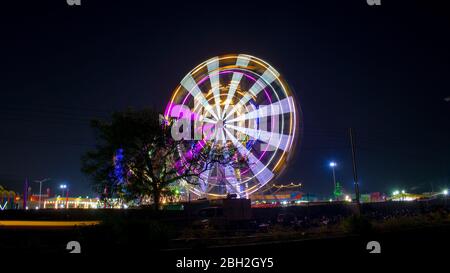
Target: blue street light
<point>333,165</point>
<point>63,187</point>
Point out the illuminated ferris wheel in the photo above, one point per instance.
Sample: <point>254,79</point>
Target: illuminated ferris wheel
<point>239,102</point>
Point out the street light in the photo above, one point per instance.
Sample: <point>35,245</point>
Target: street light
<point>64,187</point>
<point>445,192</point>
<point>333,165</point>
<point>40,188</point>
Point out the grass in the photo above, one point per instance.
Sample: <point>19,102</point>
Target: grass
<point>352,225</point>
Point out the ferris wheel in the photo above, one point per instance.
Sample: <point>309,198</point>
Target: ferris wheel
<point>239,102</point>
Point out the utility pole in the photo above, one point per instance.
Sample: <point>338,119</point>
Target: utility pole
<point>334,178</point>
<point>355,174</point>
<point>40,189</point>
<point>25,194</point>
<point>67,198</point>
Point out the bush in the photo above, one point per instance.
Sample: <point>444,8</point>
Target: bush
<point>137,233</point>
<point>356,224</point>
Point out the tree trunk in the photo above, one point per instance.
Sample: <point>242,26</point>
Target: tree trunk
<point>156,197</point>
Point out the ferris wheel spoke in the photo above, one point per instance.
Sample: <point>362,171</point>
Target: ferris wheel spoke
<point>261,172</point>
<point>208,120</point>
<point>235,80</point>
<point>213,72</point>
<point>241,62</point>
<point>218,133</point>
<point>222,135</point>
<point>247,96</point>
<point>276,140</point>
<point>277,108</point>
<point>192,87</point>
<point>266,78</point>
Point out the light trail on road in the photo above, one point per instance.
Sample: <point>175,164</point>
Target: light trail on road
<point>44,224</point>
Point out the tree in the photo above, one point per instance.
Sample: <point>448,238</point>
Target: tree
<point>149,157</point>
<point>337,191</point>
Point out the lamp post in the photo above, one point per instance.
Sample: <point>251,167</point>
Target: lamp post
<point>333,165</point>
<point>67,198</point>
<point>40,189</point>
<point>63,187</point>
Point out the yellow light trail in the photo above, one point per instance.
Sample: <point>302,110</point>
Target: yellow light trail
<point>21,223</point>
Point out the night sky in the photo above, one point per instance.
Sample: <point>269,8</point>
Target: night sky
<point>383,70</point>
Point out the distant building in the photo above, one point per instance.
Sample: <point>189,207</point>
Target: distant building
<point>370,197</point>
<point>282,198</point>
<point>35,198</point>
<point>71,203</point>
<point>377,197</point>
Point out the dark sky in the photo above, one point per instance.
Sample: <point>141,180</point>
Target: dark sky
<point>382,70</point>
